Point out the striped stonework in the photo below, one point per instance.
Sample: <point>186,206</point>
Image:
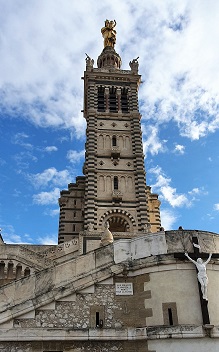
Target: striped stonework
<point>115,187</point>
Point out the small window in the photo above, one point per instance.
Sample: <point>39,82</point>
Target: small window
<point>18,271</point>
<point>113,100</point>
<point>74,228</point>
<point>100,99</point>
<point>97,319</point>
<point>170,313</point>
<point>2,270</point>
<point>96,316</point>
<point>10,274</point>
<point>124,100</point>
<point>116,182</point>
<point>26,272</point>
<point>170,316</point>
<point>114,142</point>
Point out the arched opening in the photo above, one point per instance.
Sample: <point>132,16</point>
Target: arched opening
<point>26,272</point>
<point>115,182</point>
<point>10,270</point>
<point>18,271</point>
<point>114,142</point>
<point>124,100</point>
<point>112,100</point>
<point>119,221</point>
<point>118,224</point>
<point>101,100</point>
<point>2,270</point>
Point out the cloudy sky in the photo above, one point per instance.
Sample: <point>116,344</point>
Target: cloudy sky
<point>42,130</point>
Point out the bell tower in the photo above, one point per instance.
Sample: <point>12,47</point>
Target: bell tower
<point>114,182</point>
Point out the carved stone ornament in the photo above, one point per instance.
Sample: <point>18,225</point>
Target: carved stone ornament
<point>89,62</point>
<point>90,227</point>
<point>134,65</point>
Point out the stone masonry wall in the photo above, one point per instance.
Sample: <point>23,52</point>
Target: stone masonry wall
<point>115,311</point>
<point>132,311</point>
<point>76,314</point>
<point>84,346</point>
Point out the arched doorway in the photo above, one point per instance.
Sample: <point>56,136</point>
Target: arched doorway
<point>118,224</point>
<point>119,220</point>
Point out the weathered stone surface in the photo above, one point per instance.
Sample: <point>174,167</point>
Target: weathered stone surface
<point>140,247</point>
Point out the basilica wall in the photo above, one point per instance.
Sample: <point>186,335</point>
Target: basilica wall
<point>94,307</point>
<point>126,186</point>
<point>107,141</point>
<point>76,346</point>
<point>135,287</point>
<point>177,288</point>
<point>213,289</point>
<point>189,345</point>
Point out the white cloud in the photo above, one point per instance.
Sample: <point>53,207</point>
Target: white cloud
<point>45,198</point>
<point>11,237</point>
<point>216,206</point>
<point>168,219</point>
<point>48,239</point>
<point>182,78</point>
<point>151,142</point>
<point>16,193</point>
<point>19,138</point>
<point>179,149</point>
<point>42,59</point>
<point>23,159</point>
<point>51,175</point>
<point>170,195</point>
<point>52,212</point>
<point>198,191</point>
<point>167,192</point>
<point>50,149</point>
<point>74,156</point>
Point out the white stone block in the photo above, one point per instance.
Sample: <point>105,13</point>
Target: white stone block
<point>69,298</point>
<point>90,289</point>
<point>122,250</point>
<point>85,263</point>
<point>49,306</point>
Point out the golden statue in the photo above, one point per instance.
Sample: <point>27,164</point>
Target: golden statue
<point>109,33</point>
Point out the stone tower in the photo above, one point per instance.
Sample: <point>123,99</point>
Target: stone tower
<point>113,188</point>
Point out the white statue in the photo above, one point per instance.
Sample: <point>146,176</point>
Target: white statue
<point>202,274</point>
<point>107,237</point>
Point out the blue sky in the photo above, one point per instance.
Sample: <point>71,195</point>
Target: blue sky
<point>42,130</point>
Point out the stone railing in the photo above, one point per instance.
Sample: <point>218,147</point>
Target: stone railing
<point>34,256</point>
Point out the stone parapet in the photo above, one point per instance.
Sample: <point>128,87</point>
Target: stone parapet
<point>164,242</point>
<point>145,333</point>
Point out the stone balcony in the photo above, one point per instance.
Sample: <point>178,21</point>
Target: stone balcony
<point>117,195</point>
<point>115,152</point>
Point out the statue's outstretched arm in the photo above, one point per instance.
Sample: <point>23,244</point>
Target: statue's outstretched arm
<point>191,260</point>
<point>209,258</point>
